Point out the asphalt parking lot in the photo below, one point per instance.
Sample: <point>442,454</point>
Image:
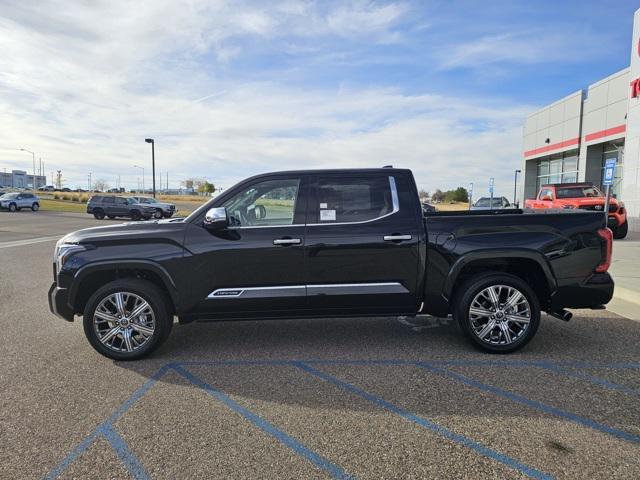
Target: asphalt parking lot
<point>363,398</point>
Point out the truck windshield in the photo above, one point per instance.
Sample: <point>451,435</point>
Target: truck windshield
<point>578,192</point>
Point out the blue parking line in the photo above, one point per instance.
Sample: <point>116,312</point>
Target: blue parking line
<point>497,363</point>
<point>589,378</point>
<point>423,422</point>
<point>75,453</point>
<point>107,427</point>
<point>621,434</point>
<point>299,448</point>
<point>132,463</point>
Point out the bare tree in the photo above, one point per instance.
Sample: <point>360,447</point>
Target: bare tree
<point>100,185</point>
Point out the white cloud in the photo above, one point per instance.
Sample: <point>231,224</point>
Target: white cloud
<point>523,46</point>
<point>84,87</point>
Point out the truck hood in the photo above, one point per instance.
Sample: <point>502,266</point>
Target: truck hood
<point>585,202</point>
<point>129,231</point>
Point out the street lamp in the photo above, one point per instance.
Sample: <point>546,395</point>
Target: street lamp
<point>142,168</point>
<point>33,183</point>
<point>153,162</point>
<point>515,187</point>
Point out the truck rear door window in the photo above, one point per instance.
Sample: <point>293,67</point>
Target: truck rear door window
<point>360,199</point>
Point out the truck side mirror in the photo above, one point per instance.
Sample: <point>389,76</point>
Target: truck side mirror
<point>216,218</point>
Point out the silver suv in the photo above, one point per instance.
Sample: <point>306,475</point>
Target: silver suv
<point>162,209</point>
<point>17,201</point>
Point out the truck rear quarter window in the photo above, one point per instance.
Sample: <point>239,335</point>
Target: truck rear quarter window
<point>344,200</point>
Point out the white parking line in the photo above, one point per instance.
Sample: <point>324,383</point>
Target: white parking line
<point>29,241</point>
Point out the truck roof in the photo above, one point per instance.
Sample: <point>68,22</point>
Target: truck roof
<point>339,170</point>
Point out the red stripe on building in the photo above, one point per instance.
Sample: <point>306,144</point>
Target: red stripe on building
<point>553,146</point>
<point>605,133</point>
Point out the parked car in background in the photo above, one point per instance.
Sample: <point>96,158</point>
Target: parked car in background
<point>428,208</point>
<point>488,203</point>
<point>162,209</point>
<point>111,207</point>
<point>47,188</point>
<point>582,196</point>
<point>18,200</point>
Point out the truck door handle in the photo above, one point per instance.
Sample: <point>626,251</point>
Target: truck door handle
<point>287,241</point>
<point>396,238</point>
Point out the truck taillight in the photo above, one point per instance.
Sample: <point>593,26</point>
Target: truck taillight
<point>607,235</point>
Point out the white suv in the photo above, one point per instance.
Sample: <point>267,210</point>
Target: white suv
<point>18,201</point>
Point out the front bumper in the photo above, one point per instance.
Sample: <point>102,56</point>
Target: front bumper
<point>596,291</point>
<point>58,302</point>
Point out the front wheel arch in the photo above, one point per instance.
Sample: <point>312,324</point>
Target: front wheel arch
<point>93,276</point>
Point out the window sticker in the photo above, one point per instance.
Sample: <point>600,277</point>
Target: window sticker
<point>327,215</point>
<point>323,205</point>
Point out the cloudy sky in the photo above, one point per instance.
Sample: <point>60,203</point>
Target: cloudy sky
<point>233,88</point>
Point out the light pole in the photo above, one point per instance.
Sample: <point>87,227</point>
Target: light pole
<point>153,162</point>
<point>141,168</point>
<point>515,187</point>
<point>33,183</point>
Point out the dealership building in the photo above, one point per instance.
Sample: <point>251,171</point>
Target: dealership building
<point>571,139</point>
<point>21,179</point>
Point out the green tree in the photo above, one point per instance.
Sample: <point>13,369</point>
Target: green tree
<point>438,196</point>
<point>460,194</point>
<point>206,188</point>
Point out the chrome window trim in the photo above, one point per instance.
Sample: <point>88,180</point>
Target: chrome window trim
<point>395,202</point>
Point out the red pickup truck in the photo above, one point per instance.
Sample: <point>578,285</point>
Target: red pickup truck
<point>583,196</point>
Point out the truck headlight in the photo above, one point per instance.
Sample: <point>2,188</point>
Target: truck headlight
<point>63,251</point>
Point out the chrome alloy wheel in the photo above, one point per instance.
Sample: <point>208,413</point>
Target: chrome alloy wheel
<point>499,315</point>
<point>124,321</point>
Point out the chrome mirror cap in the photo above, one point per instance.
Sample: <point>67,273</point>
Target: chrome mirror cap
<point>216,216</point>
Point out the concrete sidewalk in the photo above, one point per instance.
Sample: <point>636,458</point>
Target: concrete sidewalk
<point>625,270</point>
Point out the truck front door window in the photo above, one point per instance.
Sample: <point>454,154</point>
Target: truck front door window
<point>268,203</point>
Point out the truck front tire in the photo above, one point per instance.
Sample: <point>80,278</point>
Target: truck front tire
<point>497,311</point>
<point>127,319</point>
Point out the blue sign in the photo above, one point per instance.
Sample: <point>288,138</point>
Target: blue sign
<point>609,172</point>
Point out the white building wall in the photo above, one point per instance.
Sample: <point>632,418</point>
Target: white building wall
<point>630,182</point>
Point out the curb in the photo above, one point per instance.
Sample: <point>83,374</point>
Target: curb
<point>631,296</point>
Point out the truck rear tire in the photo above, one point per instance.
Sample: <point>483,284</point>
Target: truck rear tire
<point>621,230</point>
<point>497,311</point>
<point>127,319</point>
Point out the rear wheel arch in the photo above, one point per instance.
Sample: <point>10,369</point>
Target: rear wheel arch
<point>528,266</point>
<point>92,277</point>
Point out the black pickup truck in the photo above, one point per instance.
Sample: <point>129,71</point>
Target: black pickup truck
<point>330,243</point>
